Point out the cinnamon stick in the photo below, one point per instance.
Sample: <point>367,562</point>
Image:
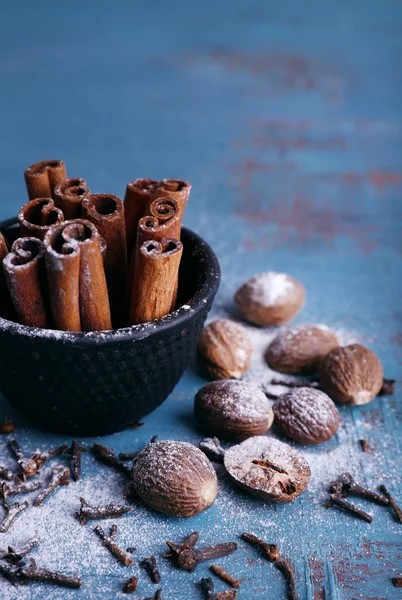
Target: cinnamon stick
<point>139,193</point>
<point>107,213</point>
<point>42,177</point>
<point>37,216</point>
<point>77,284</point>
<point>6,309</point>
<point>24,269</point>
<point>155,275</point>
<point>175,188</point>
<point>68,195</point>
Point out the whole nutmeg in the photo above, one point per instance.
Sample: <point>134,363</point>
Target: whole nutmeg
<point>300,349</point>
<point>270,298</point>
<point>351,374</point>
<point>226,348</point>
<point>233,410</point>
<point>306,415</point>
<point>174,478</point>
<point>267,468</point>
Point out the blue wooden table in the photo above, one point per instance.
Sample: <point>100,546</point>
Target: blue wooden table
<point>287,119</point>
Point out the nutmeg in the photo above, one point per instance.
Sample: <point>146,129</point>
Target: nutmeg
<point>306,415</point>
<point>268,468</point>
<point>270,298</point>
<point>226,348</point>
<point>232,410</point>
<point>351,374</point>
<point>174,478</point>
<point>300,349</point>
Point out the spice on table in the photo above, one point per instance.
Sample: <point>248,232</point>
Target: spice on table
<point>392,503</point>
<point>397,581</point>
<point>151,568</point>
<point>41,457</point>
<point>188,557</point>
<point>60,476</point>
<point>131,549</point>
<point>226,595</point>
<point>75,452</point>
<point>156,596</point>
<point>388,387</point>
<point>107,456</point>
<point>207,587</point>
<point>25,273</point>
<point>337,499</point>
<point>179,189</point>
<point>294,383</point>
<point>176,549</point>
<point>225,576</point>
<point>68,195</point>
<point>26,464</point>
<point>139,193</point>
<point>11,572</point>
<point>346,485</point>
<point>35,573</point>
<point>13,511</point>
<point>212,448</point>
<point>38,216</point>
<point>23,487</point>
<point>15,556</point>
<point>8,426</point>
<point>130,586</point>
<point>5,473</point>
<point>365,446</point>
<point>108,511</point>
<point>42,178</point>
<point>110,544</point>
<point>284,565</point>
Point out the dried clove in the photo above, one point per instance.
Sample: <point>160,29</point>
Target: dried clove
<point>284,565</point>
<point>8,426</point>
<point>189,557</point>
<point>151,568</point>
<point>35,573</point>
<point>212,448</point>
<point>106,456</point>
<point>226,595</point>
<point>189,542</point>
<point>365,446</point>
<point>207,586</point>
<point>110,544</point>
<point>388,387</point>
<point>224,575</point>
<point>130,586</point>
<point>5,473</point>
<point>397,581</point>
<point>11,572</point>
<point>295,384</point>
<point>131,549</point>
<point>108,511</point>
<point>27,465</point>
<point>60,476</point>
<point>392,503</point>
<point>13,511</point>
<point>156,596</point>
<point>349,486</point>
<point>41,457</point>
<point>23,487</point>
<point>270,551</point>
<point>337,499</point>
<point>75,452</point>
<point>15,556</point>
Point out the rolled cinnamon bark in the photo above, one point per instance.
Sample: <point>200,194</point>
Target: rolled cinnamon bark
<point>77,283</point>
<point>156,272</point>
<point>5,300</point>
<point>139,193</point>
<point>42,177</point>
<point>37,216</point>
<point>174,188</point>
<point>25,273</point>
<point>68,195</point>
<point>107,213</point>
<point>164,221</point>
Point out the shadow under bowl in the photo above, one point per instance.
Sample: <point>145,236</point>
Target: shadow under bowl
<point>101,382</point>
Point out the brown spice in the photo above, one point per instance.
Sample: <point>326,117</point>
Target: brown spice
<point>110,544</point>
<point>151,568</point>
<point>8,426</point>
<point>35,573</point>
<point>139,193</point>
<point>42,178</point>
<point>130,585</point>
<point>225,576</point>
<point>392,503</point>
<point>68,195</point>
<point>38,216</point>
<point>60,476</point>
<point>388,387</point>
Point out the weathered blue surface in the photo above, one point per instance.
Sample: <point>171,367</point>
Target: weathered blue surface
<point>287,119</point>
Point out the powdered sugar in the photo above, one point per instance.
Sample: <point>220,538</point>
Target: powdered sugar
<point>269,288</point>
<point>234,400</point>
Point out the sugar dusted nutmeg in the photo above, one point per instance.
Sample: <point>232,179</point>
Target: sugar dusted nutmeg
<point>270,298</point>
<point>226,349</point>
<point>174,478</point>
<point>300,349</point>
<point>233,410</point>
<point>268,468</point>
<point>306,415</point>
<point>351,374</point>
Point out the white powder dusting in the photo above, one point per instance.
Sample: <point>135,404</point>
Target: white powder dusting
<point>269,288</point>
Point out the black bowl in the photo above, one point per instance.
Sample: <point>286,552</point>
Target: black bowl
<point>102,382</point>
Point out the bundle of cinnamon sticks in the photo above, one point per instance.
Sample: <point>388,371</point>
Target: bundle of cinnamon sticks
<point>91,262</point>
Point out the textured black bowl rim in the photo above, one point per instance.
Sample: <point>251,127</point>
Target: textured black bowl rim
<point>179,317</point>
